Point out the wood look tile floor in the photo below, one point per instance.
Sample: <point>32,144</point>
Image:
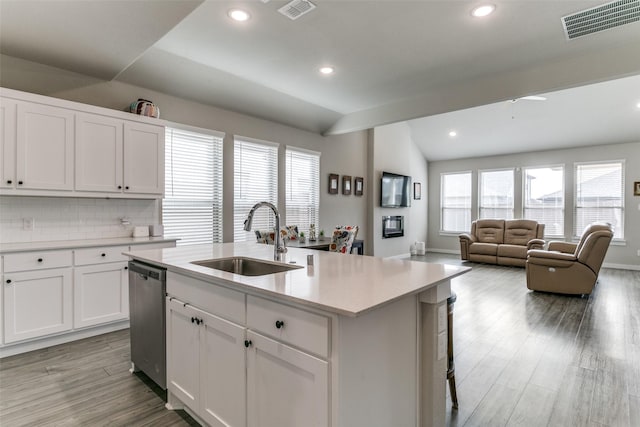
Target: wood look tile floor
<point>522,358</point>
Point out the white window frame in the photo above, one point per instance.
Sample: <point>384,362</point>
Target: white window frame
<point>443,207</point>
<point>513,178</point>
<point>563,191</point>
<point>312,208</point>
<point>263,218</point>
<point>618,237</point>
<point>182,217</point>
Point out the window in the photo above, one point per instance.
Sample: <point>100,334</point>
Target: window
<point>599,196</point>
<point>544,197</point>
<point>496,194</point>
<point>455,201</point>
<point>192,206</point>
<point>255,180</point>
<point>302,195</point>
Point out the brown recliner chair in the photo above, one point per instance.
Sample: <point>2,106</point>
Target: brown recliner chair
<point>569,268</point>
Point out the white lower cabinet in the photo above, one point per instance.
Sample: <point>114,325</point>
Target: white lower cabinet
<point>206,364</point>
<point>37,303</point>
<point>285,387</point>
<point>234,376</point>
<point>101,294</point>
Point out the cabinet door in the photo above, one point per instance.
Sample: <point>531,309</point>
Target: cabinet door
<point>101,294</point>
<point>222,372</point>
<point>183,353</point>
<point>45,147</point>
<point>37,303</point>
<point>143,158</point>
<point>285,387</point>
<point>98,153</point>
<point>7,143</point>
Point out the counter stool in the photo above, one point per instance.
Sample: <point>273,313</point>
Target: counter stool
<point>451,371</point>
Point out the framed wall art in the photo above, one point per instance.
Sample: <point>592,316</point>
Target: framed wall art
<point>346,185</point>
<point>417,191</point>
<point>333,183</point>
<point>636,188</point>
<point>358,184</point>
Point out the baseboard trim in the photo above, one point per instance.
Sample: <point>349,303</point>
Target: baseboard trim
<point>621,266</point>
<point>40,343</point>
<point>444,251</point>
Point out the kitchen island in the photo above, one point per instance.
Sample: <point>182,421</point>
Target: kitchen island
<point>347,341</point>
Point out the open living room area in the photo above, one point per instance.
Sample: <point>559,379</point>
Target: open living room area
<point>315,213</point>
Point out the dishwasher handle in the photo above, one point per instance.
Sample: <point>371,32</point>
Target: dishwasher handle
<point>147,271</point>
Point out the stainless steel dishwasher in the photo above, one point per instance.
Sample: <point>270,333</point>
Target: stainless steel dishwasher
<point>147,290</point>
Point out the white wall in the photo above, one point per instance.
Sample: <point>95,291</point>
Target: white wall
<point>344,154</point>
<point>394,151</point>
<point>624,254</point>
<point>61,218</point>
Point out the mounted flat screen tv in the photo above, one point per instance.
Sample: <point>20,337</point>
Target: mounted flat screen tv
<point>395,191</point>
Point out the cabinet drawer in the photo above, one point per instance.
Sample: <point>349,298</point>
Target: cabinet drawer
<point>148,246</point>
<point>300,328</point>
<point>217,300</point>
<point>100,255</point>
<point>36,260</point>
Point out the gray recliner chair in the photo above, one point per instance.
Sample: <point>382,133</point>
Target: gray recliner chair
<point>569,268</point>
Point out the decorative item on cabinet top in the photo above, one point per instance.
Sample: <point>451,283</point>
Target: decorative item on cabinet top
<point>145,107</point>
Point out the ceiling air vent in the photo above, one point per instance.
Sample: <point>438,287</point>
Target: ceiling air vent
<point>296,9</point>
<point>601,18</point>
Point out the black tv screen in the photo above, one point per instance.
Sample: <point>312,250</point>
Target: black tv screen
<point>395,191</point>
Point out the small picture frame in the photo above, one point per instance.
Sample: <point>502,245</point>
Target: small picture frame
<point>333,183</point>
<point>358,184</point>
<point>417,191</point>
<point>636,188</point>
<point>346,185</point>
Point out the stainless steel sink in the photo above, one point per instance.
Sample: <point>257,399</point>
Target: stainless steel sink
<point>245,266</point>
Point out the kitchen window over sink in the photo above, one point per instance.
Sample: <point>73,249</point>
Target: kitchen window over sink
<point>192,206</point>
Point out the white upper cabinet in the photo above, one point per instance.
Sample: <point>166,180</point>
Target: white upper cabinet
<point>143,158</point>
<point>7,143</point>
<point>98,153</point>
<point>118,157</point>
<point>53,147</point>
<point>45,141</point>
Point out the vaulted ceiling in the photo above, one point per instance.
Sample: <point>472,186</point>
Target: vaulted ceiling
<point>394,61</point>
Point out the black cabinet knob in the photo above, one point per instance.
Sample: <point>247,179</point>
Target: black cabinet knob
<point>19,182</point>
<point>8,280</point>
<point>126,268</point>
<point>126,188</point>
<point>247,343</point>
<point>193,320</point>
<point>40,260</point>
<point>9,181</point>
<point>119,187</point>
<point>103,254</point>
<point>279,324</point>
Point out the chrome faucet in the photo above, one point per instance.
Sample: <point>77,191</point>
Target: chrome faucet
<point>278,245</point>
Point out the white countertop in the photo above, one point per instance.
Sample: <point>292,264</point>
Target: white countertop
<point>344,284</point>
<point>85,243</point>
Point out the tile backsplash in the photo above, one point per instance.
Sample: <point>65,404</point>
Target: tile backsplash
<point>57,218</point>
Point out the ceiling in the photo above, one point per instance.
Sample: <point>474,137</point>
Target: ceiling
<point>395,60</point>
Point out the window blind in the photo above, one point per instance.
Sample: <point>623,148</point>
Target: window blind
<point>455,202</point>
<point>544,197</point>
<point>496,194</point>
<point>192,206</point>
<point>302,195</point>
<point>599,196</point>
<point>255,180</point>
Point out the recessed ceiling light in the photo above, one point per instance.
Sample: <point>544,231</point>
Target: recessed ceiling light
<point>327,70</point>
<point>484,10</point>
<point>239,15</point>
<point>453,133</point>
<point>638,105</point>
